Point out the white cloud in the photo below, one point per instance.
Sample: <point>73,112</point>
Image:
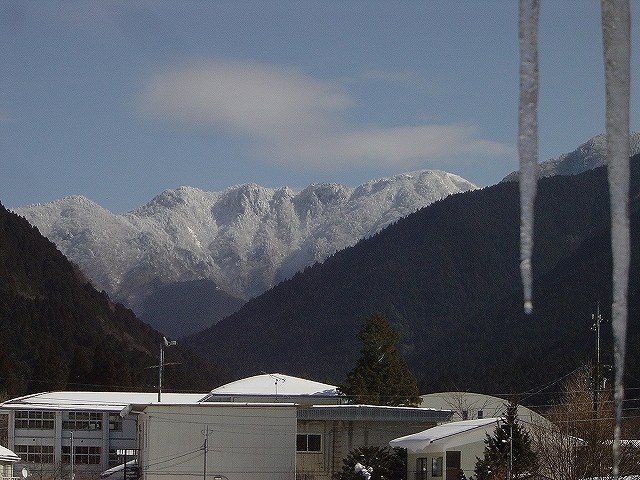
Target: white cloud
<point>404,145</point>
<point>291,118</point>
<point>262,101</point>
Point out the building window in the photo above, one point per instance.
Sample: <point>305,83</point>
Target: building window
<point>421,468</point>
<point>35,453</point>
<point>87,455</point>
<point>480,414</point>
<point>35,419</point>
<point>83,455</point>
<point>465,414</point>
<point>115,422</point>
<point>309,442</point>
<point>82,421</point>
<point>436,467</point>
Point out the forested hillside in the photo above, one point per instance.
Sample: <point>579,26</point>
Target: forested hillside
<point>58,332</point>
<point>447,277</point>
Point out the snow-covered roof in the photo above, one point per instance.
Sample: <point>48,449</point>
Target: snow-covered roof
<point>275,384</point>
<point>419,441</point>
<point>102,401</point>
<point>7,455</point>
<point>118,470</point>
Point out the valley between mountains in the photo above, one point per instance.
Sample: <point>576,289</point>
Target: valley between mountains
<point>298,272</point>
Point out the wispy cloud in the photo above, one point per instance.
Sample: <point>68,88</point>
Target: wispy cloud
<point>292,118</point>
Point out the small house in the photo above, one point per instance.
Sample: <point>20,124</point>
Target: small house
<point>7,461</point>
<point>445,451</point>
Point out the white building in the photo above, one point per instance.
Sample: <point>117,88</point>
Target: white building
<point>328,428</point>
<point>442,452</point>
<point>271,425</point>
<point>238,441</point>
<point>43,429</point>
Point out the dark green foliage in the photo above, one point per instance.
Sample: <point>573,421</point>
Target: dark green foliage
<point>58,332</point>
<point>508,439</point>
<point>447,278</point>
<point>381,376</point>
<point>385,462</point>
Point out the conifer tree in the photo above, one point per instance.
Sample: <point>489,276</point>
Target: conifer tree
<point>381,376</point>
<point>383,462</point>
<point>508,449</point>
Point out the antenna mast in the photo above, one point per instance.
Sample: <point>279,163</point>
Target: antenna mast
<point>597,320</point>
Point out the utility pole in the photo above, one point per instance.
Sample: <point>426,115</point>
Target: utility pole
<point>597,320</point>
<point>165,343</point>
<point>205,448</point>
<point>71,457</point>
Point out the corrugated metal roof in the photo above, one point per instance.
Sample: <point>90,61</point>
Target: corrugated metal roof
<point>372,412</point>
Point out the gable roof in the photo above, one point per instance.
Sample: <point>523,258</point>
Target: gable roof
<point>275,384</point>
<point>419,441</point>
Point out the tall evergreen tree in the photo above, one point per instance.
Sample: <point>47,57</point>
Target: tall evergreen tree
<point>381,376</point>
<point>508,449</point>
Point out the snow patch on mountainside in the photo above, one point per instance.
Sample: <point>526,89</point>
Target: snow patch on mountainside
<point>246,238</point>
<point>589,155</point>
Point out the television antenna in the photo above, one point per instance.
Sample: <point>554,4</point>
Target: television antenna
<point>277,378</point>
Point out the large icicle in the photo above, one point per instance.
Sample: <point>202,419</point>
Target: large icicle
<point>528,139</point>
<point>616,33</point>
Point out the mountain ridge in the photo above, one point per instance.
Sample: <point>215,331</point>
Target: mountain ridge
<point>447,278</point>
<point>245,239</point>
<point>589,155</point>
<point>61,333</point>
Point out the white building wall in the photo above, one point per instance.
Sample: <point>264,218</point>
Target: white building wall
<point>57,437</point>
<point>245,441</point>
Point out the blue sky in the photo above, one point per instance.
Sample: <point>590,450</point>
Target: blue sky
<point>119,101</point>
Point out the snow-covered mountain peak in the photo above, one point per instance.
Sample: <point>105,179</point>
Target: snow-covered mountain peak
<point>246,238</point>
<point>589,155</point>
<point>172,199</point>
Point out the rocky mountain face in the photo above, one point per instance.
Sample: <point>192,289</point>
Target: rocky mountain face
<point>244,240</point>
<point>587,156</point>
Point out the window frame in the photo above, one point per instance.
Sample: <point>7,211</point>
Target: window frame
<point>82,455</point>
<point>307,436</point>
<point>35,420</point>
<point>82,420</point>
<point>35,453</point>
<point>437,467</point>
<point>115,422</point>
